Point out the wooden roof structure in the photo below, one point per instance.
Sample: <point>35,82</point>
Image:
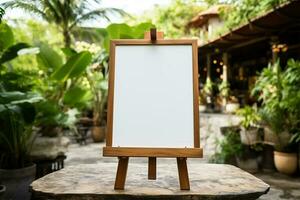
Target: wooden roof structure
<point>203,16</point>
<point>282,22</point>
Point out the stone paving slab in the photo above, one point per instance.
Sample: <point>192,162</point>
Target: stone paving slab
<point>96,181</point>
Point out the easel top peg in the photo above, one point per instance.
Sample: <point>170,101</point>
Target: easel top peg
<point>153,35</point>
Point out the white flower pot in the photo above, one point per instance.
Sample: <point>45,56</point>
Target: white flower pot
<point>232,107</point>
<point>249,136</point>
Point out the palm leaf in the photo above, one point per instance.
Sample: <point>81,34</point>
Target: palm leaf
<point>24,5</point>
<point>102,12</point>
<point>2,12</point>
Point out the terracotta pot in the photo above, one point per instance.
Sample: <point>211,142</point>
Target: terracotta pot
<point>285,162</point>
<point>98,133</point>
<point>249,136</point>
<point>17,182</point>
<point>232,107</point>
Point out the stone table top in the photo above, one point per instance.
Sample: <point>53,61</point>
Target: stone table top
<point>96,181</point>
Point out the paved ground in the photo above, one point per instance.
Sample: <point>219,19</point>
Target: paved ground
<point>282,187</point>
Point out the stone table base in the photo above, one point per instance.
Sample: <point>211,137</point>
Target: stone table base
<point>96,181</point>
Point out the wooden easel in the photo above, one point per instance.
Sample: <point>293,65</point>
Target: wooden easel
<point>153,35</point>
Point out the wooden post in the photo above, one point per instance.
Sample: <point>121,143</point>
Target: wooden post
<point>274,42</point>
<point>208,66</point>
<point>225,73</point>
<point>121,173</point>
<point>183,174</point>
<point>152,168</point>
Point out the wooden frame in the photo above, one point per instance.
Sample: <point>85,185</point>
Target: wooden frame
<point>152,152</point>
<point>123,153</point>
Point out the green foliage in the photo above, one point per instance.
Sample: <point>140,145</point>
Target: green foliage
<point>15,81</point>
<point>6,37</point>
<point>17,114</point>
<point>97,78</point>
<point>75,66</point>
<point>61,84</point>
<point>268,89</point>
<point>124,31</point>
<point>2,12</point>
<point>249,116</point>
<point>279,92</point>
<point>82,96</point>
<point>48,59</point>
<point>171,19</point>
<point>12,52</point>
<point>243,10</point>
<point>208,87</point>
<point>229,147</point>
<point>65,14</point>
<point>291,97</point>
<point>224,89</point>
<point>50,115</point>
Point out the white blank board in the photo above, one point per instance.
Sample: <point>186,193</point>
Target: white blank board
<point>153,96</point>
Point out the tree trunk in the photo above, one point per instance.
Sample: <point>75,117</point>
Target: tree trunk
<point>67,38</point>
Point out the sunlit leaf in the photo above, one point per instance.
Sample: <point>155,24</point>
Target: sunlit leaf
<point>74,66</point>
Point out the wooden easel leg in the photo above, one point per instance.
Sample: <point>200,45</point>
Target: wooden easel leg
<point>121,173</point>
<point>183,174</point>
<point>152,168</point>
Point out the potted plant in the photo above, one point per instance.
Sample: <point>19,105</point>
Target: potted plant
<point>228,147</point>
<point>248,158</point>
<point>232,151</point>
<point>98,82</point>
<point>17,114</point>
<point>249,129</point>
<point>232,104</point>
<point>280,107</point>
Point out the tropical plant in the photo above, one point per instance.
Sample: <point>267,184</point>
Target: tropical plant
<point>280,109</point>
<point>249,116</point>
<point>268,89</point>
<point>98,81</point>
<point>228,147</point>
<point>17,114</point>
<point>61,84</point>
<point>224,89</point>
<point>10,78</point>
<point>208,87</point>
<point>66,14</point>
<point>2,12</point>
<point>291,98</point>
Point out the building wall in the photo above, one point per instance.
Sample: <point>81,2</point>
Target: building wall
<point>210,132</point>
